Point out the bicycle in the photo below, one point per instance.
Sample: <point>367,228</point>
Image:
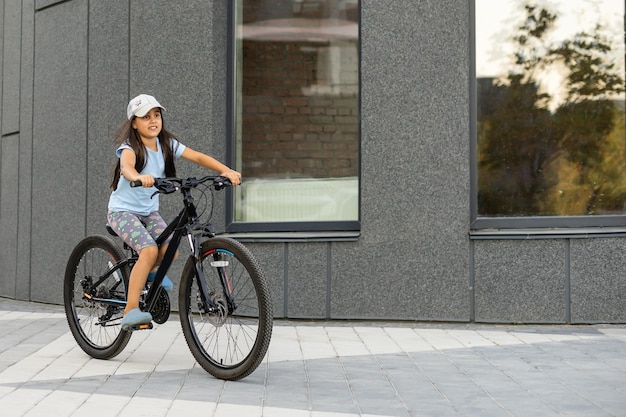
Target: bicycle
<point>224,301</point>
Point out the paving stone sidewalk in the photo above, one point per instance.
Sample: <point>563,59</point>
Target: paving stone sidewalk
<point>318,369</point>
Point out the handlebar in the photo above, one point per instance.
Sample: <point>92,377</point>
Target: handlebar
<point>170,185</point>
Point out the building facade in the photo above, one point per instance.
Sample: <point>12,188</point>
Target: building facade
<point>413,244</point>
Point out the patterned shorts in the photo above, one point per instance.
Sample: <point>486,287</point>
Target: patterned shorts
<point>137,231</point>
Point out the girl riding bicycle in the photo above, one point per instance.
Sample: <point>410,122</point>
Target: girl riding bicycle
<point>146,150</point>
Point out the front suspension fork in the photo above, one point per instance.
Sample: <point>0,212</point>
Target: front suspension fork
<point>207,301</point>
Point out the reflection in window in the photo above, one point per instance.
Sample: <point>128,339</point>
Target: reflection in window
<point>296,118</point>
<point>550,92</point>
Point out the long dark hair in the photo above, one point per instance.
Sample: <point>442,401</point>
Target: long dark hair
<point>126,133</point>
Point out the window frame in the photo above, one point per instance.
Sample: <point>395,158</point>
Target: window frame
<point>328,228</point>
<point>532,225</point>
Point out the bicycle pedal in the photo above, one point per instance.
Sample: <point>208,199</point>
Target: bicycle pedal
<point>146,326</point>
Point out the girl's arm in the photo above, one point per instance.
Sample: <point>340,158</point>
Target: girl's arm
<point>211,163</point>
<point>127,169</point>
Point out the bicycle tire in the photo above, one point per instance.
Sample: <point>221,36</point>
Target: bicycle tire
<point>229,346</point>
<point>95,325</point>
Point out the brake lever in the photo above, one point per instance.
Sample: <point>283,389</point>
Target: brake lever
<point>221,182</point>
<point>166,190</point>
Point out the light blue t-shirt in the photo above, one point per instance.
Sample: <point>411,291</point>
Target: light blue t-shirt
<point>137,200</point>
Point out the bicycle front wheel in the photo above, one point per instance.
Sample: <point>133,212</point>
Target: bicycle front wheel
<point>230,334</point>
<point>94,301</point>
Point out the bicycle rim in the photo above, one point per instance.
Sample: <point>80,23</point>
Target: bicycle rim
<point>229,342</point>
<point>96,325</point>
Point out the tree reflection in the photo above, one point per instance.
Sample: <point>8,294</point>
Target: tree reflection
<point>545,155</point>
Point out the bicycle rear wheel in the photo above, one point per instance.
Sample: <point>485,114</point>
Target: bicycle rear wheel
<point>96,324</point>
<point>228,339</point>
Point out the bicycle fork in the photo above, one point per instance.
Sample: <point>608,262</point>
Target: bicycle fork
<point>210,300</point>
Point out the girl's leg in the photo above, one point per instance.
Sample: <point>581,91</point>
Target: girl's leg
<point>155,225</point>
<point>131,228</point>
<point>167,284</point>
<point>162,250</point>
<point>138,276</point>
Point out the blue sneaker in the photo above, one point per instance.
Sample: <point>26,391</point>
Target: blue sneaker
<point>167,284</point>
<point>135,317</point>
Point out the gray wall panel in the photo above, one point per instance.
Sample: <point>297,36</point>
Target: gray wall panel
<point>177,69</point>
<point>108,97</point>
<point>415,179</point>
<point>9,165</point>
<point>59,143</point>
<point>307,280</point>
<point>1,54</point>
<point>272,261</point>
<point>520,280</point>
<point>397,279</point>
<point>598,280</point>
<point>10,92</point>
<point>26,150</point>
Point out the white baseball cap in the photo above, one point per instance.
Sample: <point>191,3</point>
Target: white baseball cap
<point>141,105</point>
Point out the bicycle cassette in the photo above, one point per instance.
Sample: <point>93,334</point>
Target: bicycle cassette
<point>161,311</point>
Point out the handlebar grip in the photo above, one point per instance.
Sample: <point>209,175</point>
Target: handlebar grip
<point>135,183</point>
<point>220,182</point>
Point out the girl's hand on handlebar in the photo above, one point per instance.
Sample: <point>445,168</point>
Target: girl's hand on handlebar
<point>147,180</point>
<point>233,176</point>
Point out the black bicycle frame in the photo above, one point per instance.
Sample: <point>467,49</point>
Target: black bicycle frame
<point>111,271</point>
<point>179,226</point>
<point>183,224</point>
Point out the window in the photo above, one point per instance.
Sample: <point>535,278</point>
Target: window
<point>550,141</point>
<point>295,114</point>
